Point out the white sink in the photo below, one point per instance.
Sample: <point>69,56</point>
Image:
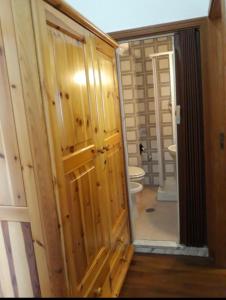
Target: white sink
<point>135,187</point>
<point>173,151</point>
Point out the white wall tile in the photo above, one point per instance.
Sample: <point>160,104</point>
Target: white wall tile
<point>148,66</point>
<point>141,120</point>
<point>150,79</point>
<point>126,80</point>
<point>131,136</point>
<point>153,132</point>
<point>166,118</point>
<point>167,156</point>
<point>165,91</point>
<point>146,180</point>
<point>129,108</point>
<point>148,51</point>
<point>139,67</point>
<point>128,94</point>
<point>156,180</point>
<point>151,92</point>
<point>151,106</point>
<point>167,130</point>
<point>140,107</point>
<point>164,77</point>
<point>163,63</point>
<point>125,66</point>
<point>142,132</point>
<point>155,157</point>
<point>154,144</point>
<point>169,168</point>
<point>148,41</point>
<point>167,143</point>
<point>133,161</point>
<point>130,122</point>
<point>137,53</point>
<point>132,148</point>
<point>139,80</point>
<point>162,39</point>
<point>155,168</point>
<point>139,94</point>
<point>152,119</point>
<point>163,48</point>
<point>145,168</point>
<point>165,104</point>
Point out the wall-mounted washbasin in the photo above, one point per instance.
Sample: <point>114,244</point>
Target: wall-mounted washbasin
<point>173,151</point>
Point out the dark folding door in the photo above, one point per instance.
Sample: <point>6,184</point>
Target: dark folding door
<point>190,139</point>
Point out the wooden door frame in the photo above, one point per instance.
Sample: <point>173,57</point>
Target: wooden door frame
<point>160,29</point>
<point>167,28</point>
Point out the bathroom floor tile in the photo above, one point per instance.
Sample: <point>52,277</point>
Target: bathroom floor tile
<point>161,223</point>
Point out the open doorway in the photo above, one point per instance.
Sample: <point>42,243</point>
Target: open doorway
<point>148,84</point>
<point>152,117</point>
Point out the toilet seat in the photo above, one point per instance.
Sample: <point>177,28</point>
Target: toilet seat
<point>136,173</point>
<point>135,188</point>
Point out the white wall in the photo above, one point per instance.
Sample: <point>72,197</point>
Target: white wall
<point>114,15</point>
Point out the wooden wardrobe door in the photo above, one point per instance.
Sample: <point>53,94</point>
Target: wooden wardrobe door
<point>111,138</point>
<point>82,210</point>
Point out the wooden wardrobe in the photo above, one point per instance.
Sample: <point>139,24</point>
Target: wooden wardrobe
<point>60,108</point>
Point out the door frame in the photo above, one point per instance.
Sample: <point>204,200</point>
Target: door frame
<point>150,243</point>
<point>164,29</point>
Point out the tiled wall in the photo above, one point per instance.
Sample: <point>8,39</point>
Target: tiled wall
<point>139,104</point>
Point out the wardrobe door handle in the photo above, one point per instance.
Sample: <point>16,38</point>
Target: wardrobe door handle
<point>106,148</point>
<point>101,151</point>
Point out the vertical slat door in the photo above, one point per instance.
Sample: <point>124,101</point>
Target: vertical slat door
<point>193,228</point>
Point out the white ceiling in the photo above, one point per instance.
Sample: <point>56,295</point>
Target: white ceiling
<point>114,15</point>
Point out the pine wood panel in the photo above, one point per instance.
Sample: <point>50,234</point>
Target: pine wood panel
<point>111,135</point>
<point>11,180</point>
<point>20,78</point>
<point>214,60</point>
<point>114,172</point>
<point>48,86</point>
<point>18,261</point>
<point>71,81</point>
<point>85,234</point>
<point>83,129</point>
<point>44,225</point>
<point>13,213</point>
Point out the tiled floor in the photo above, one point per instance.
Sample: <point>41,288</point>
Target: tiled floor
<point>159,225</point>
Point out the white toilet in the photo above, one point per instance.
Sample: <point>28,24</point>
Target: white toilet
<point>136,174</point>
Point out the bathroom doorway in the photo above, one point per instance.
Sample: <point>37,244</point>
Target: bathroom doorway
<point>164,154</point>
<point>148,87</point>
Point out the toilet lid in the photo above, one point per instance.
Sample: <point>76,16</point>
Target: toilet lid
<point>135,172</point>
